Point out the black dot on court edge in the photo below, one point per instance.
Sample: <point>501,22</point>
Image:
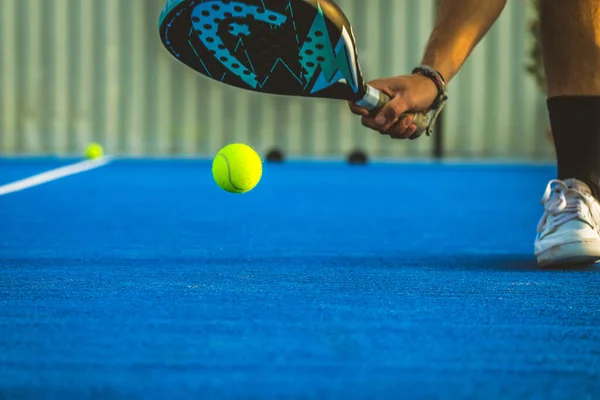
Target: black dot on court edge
<point>195,19</point>
<point>318,33</point>
<point>216,7</point>
<point>310,64</point>
<point>275,155</point>
<point>210,39</point>
<point>320,46</point>
<point>309,52</point>
<point>228,15</point>
<point>207,26</point>
<point>246,72</point>
<point>223,59</point>
<point>205,13</point>
<point>357,157</point>
<point>237,9</point>
<point>236,66</point>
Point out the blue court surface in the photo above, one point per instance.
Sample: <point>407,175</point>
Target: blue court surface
<point>142,279</point>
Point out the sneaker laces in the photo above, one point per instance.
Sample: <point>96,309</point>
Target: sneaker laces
<point>564,203</point>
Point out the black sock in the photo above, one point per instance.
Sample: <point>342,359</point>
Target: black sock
<point>575,122</point>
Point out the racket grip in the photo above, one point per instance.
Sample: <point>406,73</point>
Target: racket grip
<point>374,101</point>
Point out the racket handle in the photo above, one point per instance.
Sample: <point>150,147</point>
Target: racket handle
<point>374,100</point>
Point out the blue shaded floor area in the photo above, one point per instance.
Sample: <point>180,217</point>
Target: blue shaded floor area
<point>142,279</point>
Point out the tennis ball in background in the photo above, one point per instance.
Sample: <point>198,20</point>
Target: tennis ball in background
<point>93,151</point>
<point>237,168</point>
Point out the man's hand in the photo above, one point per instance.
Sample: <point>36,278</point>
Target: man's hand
<point>459,26</point>
<point>412,93</point>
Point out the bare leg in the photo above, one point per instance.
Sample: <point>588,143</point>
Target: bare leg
<point>570,32</point>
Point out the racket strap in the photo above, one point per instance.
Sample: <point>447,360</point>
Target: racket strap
<point>442,97</point>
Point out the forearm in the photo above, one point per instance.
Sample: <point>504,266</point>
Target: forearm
<point>460,25</point>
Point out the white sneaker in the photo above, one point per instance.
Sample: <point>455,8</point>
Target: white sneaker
<point>569,231</point>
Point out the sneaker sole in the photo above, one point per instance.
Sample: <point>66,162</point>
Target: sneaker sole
<point>580,253</point>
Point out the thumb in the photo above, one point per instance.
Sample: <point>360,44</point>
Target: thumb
<point>391,112</point>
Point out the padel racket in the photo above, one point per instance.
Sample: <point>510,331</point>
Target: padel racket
<point>288,47</point>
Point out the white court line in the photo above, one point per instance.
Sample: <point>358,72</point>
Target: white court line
<point>53,175</point>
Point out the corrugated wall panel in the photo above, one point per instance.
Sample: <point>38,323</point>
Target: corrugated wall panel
<point>496,110</point>
<point>8,77</point>
<point>73,71</point>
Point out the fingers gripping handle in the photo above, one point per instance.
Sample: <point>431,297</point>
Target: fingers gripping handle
<point>419,119</point>
<point>374,100</point>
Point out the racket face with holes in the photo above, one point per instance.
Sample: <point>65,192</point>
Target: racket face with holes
<point>289,47</point>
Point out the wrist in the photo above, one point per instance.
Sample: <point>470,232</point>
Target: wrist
<point>447,67</point>
<point>441,96</point>
<point>438,80</point>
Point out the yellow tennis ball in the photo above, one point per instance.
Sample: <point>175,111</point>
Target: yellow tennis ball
<point>93,151</point>
<point>237,168</point>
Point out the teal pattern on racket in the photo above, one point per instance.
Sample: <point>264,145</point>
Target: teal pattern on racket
<point>285,47</point>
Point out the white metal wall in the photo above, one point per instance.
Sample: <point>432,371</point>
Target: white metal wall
<point>496,109</point>
<point>73,71</point>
